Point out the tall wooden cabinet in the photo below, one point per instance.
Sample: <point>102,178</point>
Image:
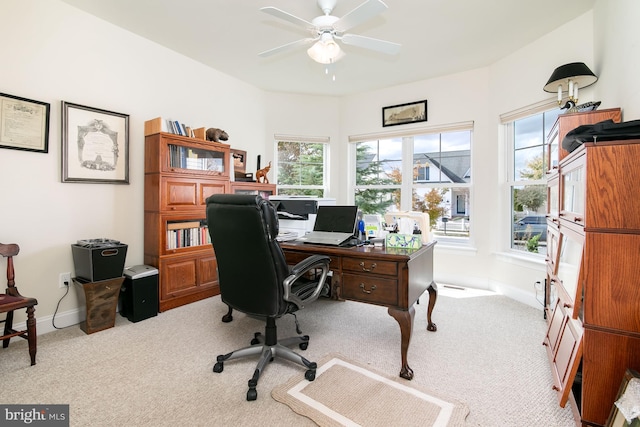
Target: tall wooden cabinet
<point>180,173</point>
<point>257,188</point>
<point>593,279</point>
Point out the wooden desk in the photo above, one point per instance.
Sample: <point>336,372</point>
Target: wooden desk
<point>394,278</point>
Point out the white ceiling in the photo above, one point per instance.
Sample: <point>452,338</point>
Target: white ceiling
<point>438,37</point>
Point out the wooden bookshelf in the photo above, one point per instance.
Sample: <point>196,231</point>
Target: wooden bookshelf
<point>180,173</point>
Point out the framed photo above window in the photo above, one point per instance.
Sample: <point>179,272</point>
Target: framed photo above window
<point>412,112</point>
<point>24,124</point>
<point>95,145</point>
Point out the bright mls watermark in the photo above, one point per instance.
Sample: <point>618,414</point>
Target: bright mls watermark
<point>36,415</point>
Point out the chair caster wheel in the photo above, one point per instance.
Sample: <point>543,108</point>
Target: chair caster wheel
<point>255,339</point>
<point>303,345</point>
<point>310,375</point>
<point>218,367</point>
<point>252,394</point>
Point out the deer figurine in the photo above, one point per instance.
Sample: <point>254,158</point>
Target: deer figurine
<point>262,174</point>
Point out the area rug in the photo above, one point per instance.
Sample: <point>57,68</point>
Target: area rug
<point>346,393</point>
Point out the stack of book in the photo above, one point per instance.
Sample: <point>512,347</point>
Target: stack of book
<point>177,128</point>
<point>183,234</point>
<point>169,126</point>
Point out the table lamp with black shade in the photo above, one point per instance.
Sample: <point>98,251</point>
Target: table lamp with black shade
<point>569,78</point>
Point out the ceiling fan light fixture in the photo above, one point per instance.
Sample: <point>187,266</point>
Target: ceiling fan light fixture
<point>325,50</point>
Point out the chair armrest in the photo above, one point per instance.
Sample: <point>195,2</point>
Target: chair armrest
<point>308,263</point>
<point>297,271</point>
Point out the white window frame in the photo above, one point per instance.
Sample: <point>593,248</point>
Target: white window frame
<point>324,140</point>
<point>507,121</point>
<point>407,186</point>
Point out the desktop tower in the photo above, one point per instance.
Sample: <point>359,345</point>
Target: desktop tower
<point>139,293</point>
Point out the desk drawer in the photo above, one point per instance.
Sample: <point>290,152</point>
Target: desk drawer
<point>370,289</point>
<point>295,257</point>
<point>361,265</point>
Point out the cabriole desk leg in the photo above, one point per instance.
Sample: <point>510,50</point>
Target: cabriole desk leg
<point>433,296</point>
<point>405,320</point>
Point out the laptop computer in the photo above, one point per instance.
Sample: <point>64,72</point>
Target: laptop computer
<point>335,225</point>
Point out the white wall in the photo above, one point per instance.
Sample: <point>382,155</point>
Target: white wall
<point>59,53</point>
<point>617,53</point>
<point>300,115</point>
<point>53,52</point>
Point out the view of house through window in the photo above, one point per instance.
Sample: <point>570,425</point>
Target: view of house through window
<point>301,168</point>
<point>528,182</point>
<point>428,173</point>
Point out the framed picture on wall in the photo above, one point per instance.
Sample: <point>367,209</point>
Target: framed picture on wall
<point>24,124</point>
<point>95,145</point>
<point>411,112</point>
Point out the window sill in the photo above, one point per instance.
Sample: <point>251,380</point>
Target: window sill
<point>455,248</point>
<point>530,261</point>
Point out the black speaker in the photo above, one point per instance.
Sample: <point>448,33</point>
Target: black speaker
<point>139,293</point>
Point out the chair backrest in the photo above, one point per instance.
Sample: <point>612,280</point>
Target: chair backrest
<point>251,264</point>
<point>9,251</point>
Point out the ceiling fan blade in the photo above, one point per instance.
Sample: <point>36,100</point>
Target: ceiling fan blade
<point>378,45</point>
<point>360,14</point>
<point>278,13</point>
<point>287,47</point>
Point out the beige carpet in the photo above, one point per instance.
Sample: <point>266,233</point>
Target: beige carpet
<point>487,353</point>
<point>347,393</point>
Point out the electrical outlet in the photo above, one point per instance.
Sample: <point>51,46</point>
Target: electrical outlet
<point>65,280</point>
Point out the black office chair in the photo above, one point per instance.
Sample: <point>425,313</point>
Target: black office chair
<point>255,278</point>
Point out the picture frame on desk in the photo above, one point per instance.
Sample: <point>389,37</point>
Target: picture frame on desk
<point>239,160</point>
<point>617,418</point>
<point>95,145</point>
<point>24,124</point>
<point>411,112</point>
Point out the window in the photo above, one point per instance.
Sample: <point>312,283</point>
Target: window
<point>526,135</point>
<point>428,172</point>
<point>301,167</point>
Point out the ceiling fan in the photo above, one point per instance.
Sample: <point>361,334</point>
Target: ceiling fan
<point>327,29</point>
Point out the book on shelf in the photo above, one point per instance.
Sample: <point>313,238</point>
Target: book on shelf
<point>171,127</point>
<point>168,126</point>
<point>178,128</point>
<point>195,159</point>
<point>188,237</point>
<point>183,224</point>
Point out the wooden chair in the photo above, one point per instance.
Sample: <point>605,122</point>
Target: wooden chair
<point>11,300</point>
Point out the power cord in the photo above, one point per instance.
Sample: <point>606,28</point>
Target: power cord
<point>539,289</point>
<point>53,319</point>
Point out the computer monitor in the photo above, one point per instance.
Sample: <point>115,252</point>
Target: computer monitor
<point>340,219</point>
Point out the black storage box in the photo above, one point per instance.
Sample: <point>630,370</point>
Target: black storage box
<point>99,259</point>
<point>139,293</point>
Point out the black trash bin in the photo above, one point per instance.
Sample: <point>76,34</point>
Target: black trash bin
<point>139,293</point>
<point>98,259</point>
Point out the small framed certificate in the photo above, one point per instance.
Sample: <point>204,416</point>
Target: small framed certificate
<point>24,124</point>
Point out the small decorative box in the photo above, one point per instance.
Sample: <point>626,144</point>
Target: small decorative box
<point>407,241</point>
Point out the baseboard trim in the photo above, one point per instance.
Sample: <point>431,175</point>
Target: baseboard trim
<point>517,294</point>
<point>44,324</point>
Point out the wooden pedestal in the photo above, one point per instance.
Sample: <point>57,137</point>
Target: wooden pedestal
<point>101,301</point>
